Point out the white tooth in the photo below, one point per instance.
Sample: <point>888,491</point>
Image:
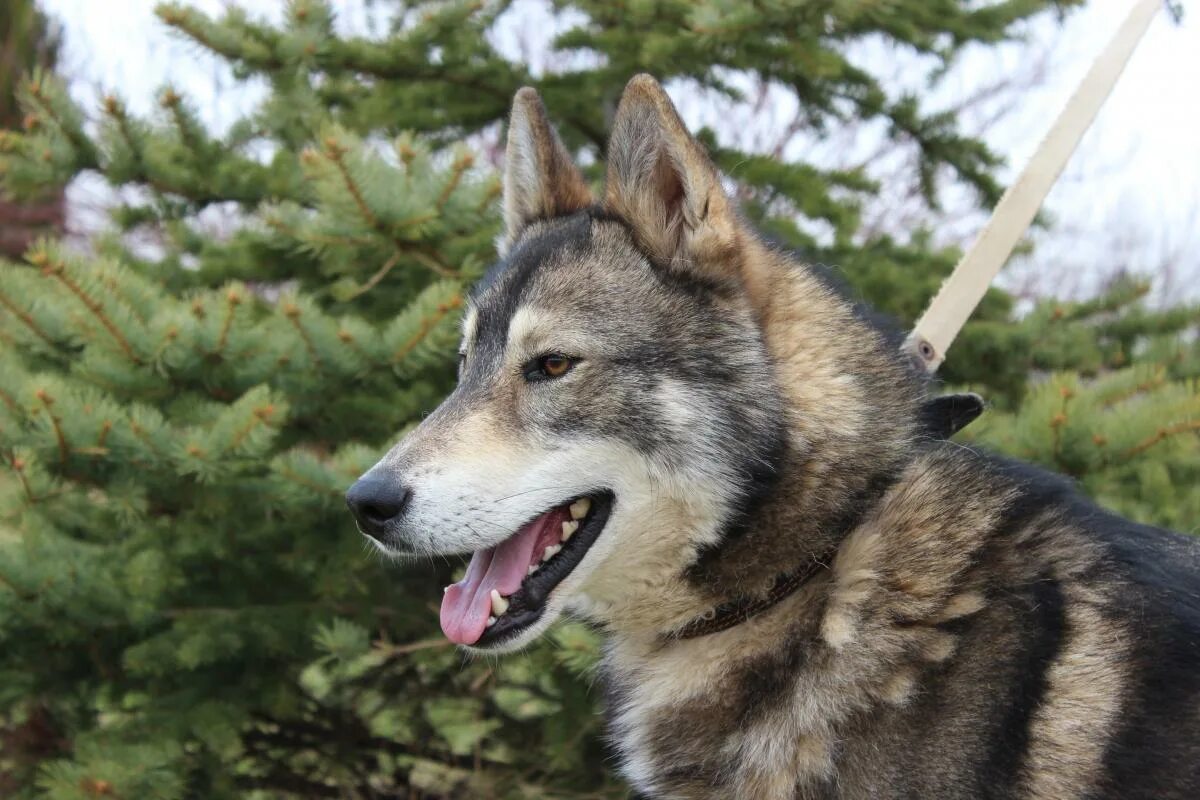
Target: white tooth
<point>491,621</point>
<point>569,527</point>
<point>580,507</point>
<point>532,569</point>
<point>445,589</point>
<point>499,604</point>
<point>551,551</point>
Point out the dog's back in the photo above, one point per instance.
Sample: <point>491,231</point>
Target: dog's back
<point>1078,677</point>
<point>1153,750</point>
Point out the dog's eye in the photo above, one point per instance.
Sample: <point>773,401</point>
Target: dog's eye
<point>552,365</point>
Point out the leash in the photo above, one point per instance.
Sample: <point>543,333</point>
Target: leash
<point>962,291</point>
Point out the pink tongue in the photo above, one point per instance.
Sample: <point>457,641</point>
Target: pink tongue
<point>468,603</point>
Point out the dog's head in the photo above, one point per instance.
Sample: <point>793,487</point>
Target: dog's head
<point>618,407</point>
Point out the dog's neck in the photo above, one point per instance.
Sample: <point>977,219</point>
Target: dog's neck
<point>859,635</point>
<point>852,418</point>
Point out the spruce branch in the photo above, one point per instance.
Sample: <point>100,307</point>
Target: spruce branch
<point>291,312</point>
<point>347,338</point>
<point>202,29</point>
<point>494,189</point>
<point>27,320</point>
<point>140,433</point>
<point>18,466</point>
<point>427,324</point>
<point>273,221</point>
<point>102,436</point>
<point>117,112</point>
<point>430,259</point>
<point>374,280</point>
<point>232,301</point>
<point>10,401</point>
<point>1056,425</point>
<point>462,163</point>
<point>396,650</point>
<point>1160,435</point>
<point>1157,381</point>
<point>57,269</point>
<point>299,480</point>
<point>37,89</point>
<point>169,337</point>
<point>335,153</point>
<point>261,416</point>
<point>115,109</point>
<point>64,451</point>
<point>184,123</point>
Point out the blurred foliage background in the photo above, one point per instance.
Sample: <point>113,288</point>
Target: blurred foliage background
<point>28,40</point>
<point>185,608</point>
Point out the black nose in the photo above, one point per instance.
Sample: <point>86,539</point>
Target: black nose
<point>375,502</point>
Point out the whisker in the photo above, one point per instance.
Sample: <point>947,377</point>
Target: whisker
<point>529,491</point>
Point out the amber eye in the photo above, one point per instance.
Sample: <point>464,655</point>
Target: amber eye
<point>553,365</point>
<point>556,365</point>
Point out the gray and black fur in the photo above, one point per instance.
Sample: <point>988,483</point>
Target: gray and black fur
<point>972,627</point>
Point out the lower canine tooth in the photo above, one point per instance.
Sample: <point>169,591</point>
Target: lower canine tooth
<point>551,551</point>
<point>491,621</point>
<point>532,569</point>
<point>580,508</point>
<point>499,604</point>
<point>569,527</point>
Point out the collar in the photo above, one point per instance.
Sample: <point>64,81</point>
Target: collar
<point>736,611</point>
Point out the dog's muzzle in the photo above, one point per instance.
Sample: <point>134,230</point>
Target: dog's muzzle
<point>377,504</point>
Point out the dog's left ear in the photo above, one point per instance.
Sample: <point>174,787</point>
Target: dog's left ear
<point>947,415</point>
<point>662,182</point>
<point>540,179</point>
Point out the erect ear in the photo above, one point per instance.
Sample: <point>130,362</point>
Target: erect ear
<point>947,415</point>
<point>540,180</point>
<point>662,182</point>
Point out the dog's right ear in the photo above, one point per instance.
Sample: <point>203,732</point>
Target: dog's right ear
<point>540,180</point>
<point>662,182</point>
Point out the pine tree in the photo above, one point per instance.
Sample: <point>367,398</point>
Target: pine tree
<point>185,610</point>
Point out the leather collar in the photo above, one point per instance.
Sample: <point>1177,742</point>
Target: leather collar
<point>736,611</point>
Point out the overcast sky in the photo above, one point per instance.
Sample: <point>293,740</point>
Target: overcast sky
<point>1134,183</point>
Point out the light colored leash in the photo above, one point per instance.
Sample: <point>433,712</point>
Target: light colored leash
<point>962,291</point>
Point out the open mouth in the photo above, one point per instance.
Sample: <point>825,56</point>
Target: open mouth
<point>506,586</point>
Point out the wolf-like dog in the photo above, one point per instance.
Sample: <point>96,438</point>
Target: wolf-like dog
<point>669,427</point>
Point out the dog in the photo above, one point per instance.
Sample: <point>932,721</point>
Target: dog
<point>671,428</point>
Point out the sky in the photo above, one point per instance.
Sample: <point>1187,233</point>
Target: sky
<point>1132,188</point>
